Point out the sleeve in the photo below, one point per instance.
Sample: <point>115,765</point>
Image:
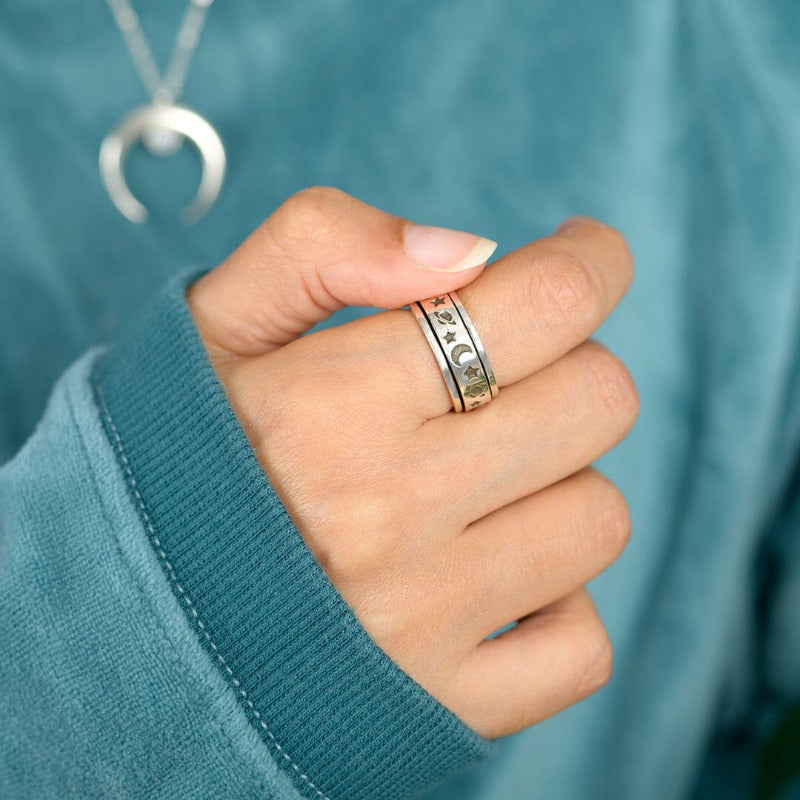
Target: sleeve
<point>166,632</point>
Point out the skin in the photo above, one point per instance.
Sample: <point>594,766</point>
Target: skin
<point>438,528</point>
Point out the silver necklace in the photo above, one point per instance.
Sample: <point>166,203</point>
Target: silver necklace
<point>163,124</point>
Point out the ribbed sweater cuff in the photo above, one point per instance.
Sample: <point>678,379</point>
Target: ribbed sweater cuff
<point>341,718</point>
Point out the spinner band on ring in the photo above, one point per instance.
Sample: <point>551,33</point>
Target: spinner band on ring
<point>458,350</point>
<point>478,343</point>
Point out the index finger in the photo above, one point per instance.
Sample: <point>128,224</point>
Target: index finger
<point>530,307</point>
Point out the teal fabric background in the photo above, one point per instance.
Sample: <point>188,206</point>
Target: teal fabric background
<point>676,121</point>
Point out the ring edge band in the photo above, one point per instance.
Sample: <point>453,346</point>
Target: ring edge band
<point>456,398</point>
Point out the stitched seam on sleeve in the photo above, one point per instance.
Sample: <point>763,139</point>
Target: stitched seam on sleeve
<point>182,593</point>
<point>191,679</point>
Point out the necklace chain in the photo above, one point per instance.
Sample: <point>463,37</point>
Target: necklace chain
<point>166,88</point>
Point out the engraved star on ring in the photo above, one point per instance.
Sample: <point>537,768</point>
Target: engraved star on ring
<point>458,350</point>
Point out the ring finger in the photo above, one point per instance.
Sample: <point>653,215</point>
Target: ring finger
<point>537,432</point>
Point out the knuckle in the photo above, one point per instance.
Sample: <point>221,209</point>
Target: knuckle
<point>619,244</point>
<point>597,659</point>
<point>611,516</point>
<point>614,385</point>
<point>309,215</point>
<point>313,201</point>
<point>567,289</point>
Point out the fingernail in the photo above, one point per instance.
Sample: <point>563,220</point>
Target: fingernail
<point>445,250</point>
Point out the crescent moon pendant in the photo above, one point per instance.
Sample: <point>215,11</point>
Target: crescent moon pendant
<point>151,123</point>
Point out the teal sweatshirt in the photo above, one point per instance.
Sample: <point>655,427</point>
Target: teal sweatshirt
<point>164,630</point>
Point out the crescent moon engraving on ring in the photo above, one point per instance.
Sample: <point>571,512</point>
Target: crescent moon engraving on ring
<point>458,351</point>
<point>165,119</point>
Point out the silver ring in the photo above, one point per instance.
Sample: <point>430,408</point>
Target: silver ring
<point>458,350</point>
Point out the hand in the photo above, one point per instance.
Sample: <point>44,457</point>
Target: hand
<point>438,528</point>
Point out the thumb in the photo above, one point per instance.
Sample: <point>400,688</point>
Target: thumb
<point>320,251</point>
